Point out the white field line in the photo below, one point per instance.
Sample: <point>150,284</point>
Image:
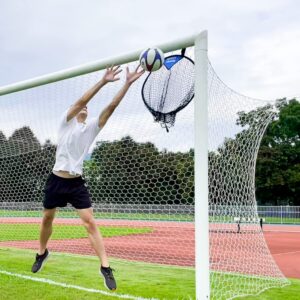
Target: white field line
<point>284,253</point>
<point>71,286</point>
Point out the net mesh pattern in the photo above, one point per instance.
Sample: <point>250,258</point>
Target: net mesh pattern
<point>141,181</point>
<point>167,91</point>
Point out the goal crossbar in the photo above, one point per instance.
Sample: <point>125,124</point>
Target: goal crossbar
<point>94,66</point>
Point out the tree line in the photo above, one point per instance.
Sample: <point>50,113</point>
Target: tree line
<point>126,171</point>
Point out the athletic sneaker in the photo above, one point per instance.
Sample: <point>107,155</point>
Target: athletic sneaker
<point>109,280</point>
<point>40,261</point>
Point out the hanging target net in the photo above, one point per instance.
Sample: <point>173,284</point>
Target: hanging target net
<point>170,89</point>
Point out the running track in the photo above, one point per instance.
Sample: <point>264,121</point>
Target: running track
<point>162,245</point>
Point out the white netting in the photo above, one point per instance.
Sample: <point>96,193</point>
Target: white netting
<point>141,179</point>
<point>237,244</point>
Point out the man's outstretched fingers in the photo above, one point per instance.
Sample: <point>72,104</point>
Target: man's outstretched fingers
<point>118,72</point>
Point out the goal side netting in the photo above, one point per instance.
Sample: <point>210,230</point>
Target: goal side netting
<point>141,181</point>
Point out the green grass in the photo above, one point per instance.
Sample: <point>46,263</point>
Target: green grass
<point>278,220</point>
<point>137,279</point>
<point>134,278</point>
<point>142,216</point>
<point>290,292</point>
<point>29,232</point>
<point>98,215</point>
<point>268,220</point>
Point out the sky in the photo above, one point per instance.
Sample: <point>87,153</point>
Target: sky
<point>254,46</point>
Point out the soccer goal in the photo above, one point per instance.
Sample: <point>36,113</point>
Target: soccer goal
<point>166,202</point>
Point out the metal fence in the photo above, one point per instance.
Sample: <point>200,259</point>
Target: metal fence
<point>280,214</point>
<point>270,214</point>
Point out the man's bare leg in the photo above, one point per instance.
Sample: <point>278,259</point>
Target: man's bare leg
<point>45,233</point>
<point>46,229</point>
<point>94,234</point>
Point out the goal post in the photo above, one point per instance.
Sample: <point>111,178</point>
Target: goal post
<point>201,168</point>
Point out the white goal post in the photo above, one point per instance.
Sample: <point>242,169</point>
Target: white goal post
<point>201,168</point>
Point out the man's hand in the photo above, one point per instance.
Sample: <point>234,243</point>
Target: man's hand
<point>131,77</point>
<point>111,74</point>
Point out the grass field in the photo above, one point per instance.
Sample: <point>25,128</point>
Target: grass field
<point>29,232</point>
<point>76,277</point>
<point>136,280</point>
<point>142,216</point>
<point>278,220</point>
<point>290,292</point>
<point>102,215</point>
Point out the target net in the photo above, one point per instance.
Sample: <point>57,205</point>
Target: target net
<point>141,181</point>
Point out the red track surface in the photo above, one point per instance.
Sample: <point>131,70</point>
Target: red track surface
<point>161,246</point>
<point>284,244</point>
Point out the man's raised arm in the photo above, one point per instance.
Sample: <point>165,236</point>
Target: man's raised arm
<point>130,79</point>
<point>109,76</point>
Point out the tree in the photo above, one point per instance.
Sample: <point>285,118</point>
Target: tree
<point>277,178</point>
<point>126,171</point>
<point>278,161</point>
<point>25,165</point>
<point>2,138</point>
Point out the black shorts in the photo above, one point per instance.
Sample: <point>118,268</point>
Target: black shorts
<point>61,191</point>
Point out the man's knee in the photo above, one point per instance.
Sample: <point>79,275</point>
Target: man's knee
<point>90,224</point>
<point>48,217</point>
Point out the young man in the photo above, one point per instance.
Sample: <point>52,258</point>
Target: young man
<point>65,184</point>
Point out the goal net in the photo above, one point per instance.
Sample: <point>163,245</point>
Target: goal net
<point>141,181</point>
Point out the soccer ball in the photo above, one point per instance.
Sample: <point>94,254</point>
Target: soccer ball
<point>152,59</point>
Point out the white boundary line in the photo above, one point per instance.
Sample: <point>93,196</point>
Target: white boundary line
<point>71,286</point>
<point>284,253</point>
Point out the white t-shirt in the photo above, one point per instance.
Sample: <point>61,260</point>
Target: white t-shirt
<point>74,141</point>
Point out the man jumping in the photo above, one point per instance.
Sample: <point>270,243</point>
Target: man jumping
<point>65,184</point>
